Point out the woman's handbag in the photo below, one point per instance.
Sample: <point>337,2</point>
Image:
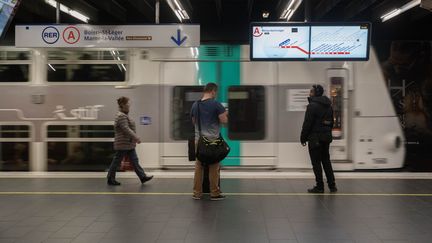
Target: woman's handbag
<point>210,151</point>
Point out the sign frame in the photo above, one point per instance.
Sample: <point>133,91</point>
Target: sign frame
<point>107,36</point>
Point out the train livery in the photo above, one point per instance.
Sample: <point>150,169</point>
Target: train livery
<point>57,108</point>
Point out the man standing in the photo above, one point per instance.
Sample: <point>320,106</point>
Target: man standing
<point>316,131</point>
<point>210,115</point>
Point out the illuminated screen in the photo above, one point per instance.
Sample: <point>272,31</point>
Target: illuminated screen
<point>335,42</point>
<point>309,41</point>
<point>7,10</point>
<point>280,42</point>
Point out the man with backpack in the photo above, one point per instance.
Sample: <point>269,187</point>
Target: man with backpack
<point>317,132</point>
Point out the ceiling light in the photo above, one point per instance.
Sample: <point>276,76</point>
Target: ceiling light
<point>397,11</point>
<point>265,14</point>
<point>290,9</point>
<point>178,9</point>
<point>69,11</point>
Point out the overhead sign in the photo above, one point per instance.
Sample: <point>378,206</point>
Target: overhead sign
<point>83,35</point>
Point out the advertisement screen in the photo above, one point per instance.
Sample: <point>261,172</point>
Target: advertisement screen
<point>280,42</point>
<point>339,42</point>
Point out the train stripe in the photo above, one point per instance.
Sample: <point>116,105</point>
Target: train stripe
<point>229,73</point>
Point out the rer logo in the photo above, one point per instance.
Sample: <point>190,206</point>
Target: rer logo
<point>257,32</point>
<point>50,35</point>
<point>71,35</point>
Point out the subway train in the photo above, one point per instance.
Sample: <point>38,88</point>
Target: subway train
<point>57,108</point>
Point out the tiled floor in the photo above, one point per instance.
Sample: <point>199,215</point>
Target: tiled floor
<point>256,210</point>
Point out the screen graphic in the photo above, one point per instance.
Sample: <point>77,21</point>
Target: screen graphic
<point>6,13</point>
<point>280,42</point>
<point>339,42</point>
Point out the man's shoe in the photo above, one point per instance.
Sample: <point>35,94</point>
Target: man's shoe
<point>217,198</point>
<point>316,190</point>
<point>333,189</point>
<point>146,178</point>
<point>196,197</point>
<point>113,183</point>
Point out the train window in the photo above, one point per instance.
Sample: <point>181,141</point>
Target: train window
<point>247,108</point>
<point>183,99</point>
<point>14,147</point>
<point>87,66</point>
<point>14,66</point>
<point>80,131</point>
<point>87,55</point>
<point>87,72</point>
<point>14,131</point>
<point>79,156</point>
<point>336,95</point>
<point>79,147</point>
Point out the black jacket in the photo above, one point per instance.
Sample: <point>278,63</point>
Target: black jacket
<point>318,117</point>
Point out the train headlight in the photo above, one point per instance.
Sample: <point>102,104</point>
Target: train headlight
<point>393,142</point>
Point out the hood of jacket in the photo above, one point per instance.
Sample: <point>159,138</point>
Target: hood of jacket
<point>322,100</point>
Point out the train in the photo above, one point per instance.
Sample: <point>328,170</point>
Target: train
<point>57,108</point>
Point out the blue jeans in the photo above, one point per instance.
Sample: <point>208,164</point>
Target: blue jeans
<point>118,157</point>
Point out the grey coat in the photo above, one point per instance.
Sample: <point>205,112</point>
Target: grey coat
<point>125,132</point>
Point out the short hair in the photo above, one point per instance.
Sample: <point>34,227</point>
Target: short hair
<point>122,101</point>
<point>210,87</point>
<point>318,90</point>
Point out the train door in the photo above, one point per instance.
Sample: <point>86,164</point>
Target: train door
<point>337,86</point>
<point>248,133</point>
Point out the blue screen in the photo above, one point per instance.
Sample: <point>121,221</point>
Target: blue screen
<point>7,10</point>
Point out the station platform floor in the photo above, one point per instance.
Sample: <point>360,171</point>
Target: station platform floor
<point>80,207</point>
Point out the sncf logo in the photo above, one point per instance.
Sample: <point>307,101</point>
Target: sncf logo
<point>71,35</point>
<point>257,32</point>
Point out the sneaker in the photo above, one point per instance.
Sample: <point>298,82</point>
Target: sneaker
<point>145,179</point>
<point>316,190</point>
<point>333,189</point>
<point>196,197</point>
<point>113,182</point>
<point>217,198</point>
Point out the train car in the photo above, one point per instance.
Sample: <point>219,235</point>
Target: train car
<point>57,108</point>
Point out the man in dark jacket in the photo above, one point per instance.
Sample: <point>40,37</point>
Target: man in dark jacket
<point>316,131</point>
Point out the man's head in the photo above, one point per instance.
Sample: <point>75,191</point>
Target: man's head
<point>211,89</point>
<point>316,91</point>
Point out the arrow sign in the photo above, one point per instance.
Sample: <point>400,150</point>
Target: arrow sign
<point>178,41</point>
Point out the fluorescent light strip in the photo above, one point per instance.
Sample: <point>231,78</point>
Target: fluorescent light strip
<point>397,11</point>
<point>290,9</point>
<point>69,11</point>
<point>178,10</point>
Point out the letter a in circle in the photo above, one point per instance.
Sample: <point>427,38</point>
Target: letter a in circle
<point>257,32</point>
<point>71,35</point>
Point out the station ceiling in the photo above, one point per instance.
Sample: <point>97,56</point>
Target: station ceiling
<point>227,21</point>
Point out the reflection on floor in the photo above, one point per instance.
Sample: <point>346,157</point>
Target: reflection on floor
<point>255,210</point>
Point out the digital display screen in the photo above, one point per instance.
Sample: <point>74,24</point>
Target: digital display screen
<point>309,41</point>
<point>7,10</point>
<point>280,42</point>
<point>331,42</point>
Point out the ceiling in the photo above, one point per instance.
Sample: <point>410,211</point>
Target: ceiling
<point>227,21</point>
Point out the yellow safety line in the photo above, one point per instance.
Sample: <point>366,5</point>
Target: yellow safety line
<point>229,193</point>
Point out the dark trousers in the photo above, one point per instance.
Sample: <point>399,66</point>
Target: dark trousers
<point>118,157</point>
<point>321,155</point>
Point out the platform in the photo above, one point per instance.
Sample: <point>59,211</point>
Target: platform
<point>79,209</point>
